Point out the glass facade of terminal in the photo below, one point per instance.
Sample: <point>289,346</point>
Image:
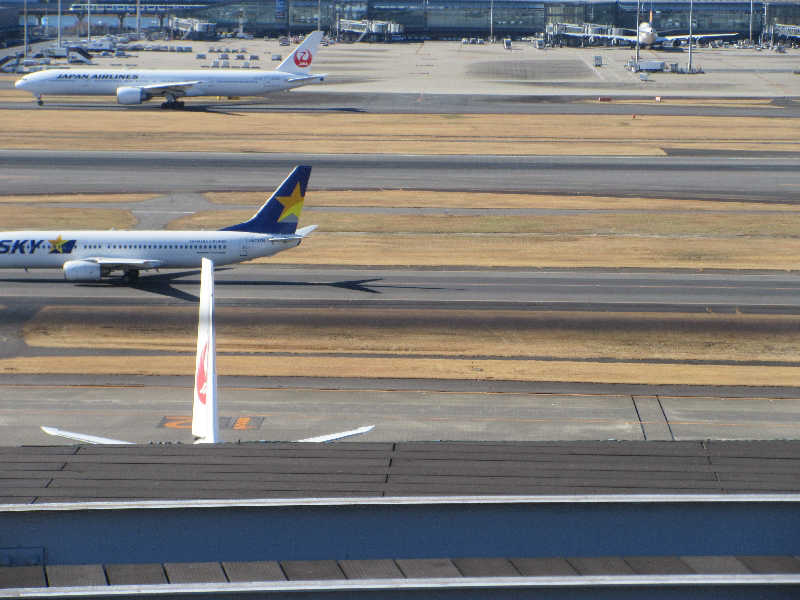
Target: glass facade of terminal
<point>456,18</point>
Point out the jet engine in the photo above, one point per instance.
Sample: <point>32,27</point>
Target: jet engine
<point>131,95</point>
<point>81,270</point>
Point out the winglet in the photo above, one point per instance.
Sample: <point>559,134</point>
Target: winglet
<point>204,408</point>
<point>304,231</point>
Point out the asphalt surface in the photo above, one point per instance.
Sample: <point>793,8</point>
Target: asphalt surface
<point>159,411</point>
<point>387,103</point>
<point>589,290</point>
<point>702,175</point>
<point>142,409</point>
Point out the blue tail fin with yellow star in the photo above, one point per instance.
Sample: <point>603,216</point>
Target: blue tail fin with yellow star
<point>281,213</point>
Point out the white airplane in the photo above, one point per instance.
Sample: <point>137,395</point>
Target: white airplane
<point>94,255</point>
<point>205,424</point>
<point>134,86</point>
<point>649,37</point>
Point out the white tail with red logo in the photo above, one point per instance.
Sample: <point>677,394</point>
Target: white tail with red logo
<point>204,409</point>
<point>299,61</point>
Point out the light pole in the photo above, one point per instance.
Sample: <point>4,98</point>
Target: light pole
<point>319,15</point>
<point>25,27</point>
<point>638,8</point>
<point>89,20</point>
<point>751,22</point>
<point>59,24</point>
<point>691,6</point>
<point>491,20</point>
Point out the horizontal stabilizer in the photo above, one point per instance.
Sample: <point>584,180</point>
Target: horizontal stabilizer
<point>337,436</point>
<point>304,231</point>
<point>308,78</point>
<point>81,437</point>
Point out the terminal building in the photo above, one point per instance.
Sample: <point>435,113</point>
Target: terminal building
<point>454,19</point>
<point>421,19</point>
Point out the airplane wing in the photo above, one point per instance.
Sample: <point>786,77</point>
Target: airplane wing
<point>175,87</point>
<point>601,36</point>
<point>337,436</point>
<point>695,36</point>
<point>81,437</point>
<point>622,38</point>
<point>94,439</point>
<point>138,263</point>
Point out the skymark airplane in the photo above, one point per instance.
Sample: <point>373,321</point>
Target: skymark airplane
<point>205,423</point>
<point>93,255</point>
<point>134,86</point>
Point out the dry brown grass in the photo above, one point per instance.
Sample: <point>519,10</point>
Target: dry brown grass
<point>452,333</point>
<point>15,96</point>
<point>24,217</point>
<point>407,368</point>
<point>75,198</point>
<point>443,345</point>
<point>542,251</point>
<point>674,224</point>
<point>436,199</point>
<point>399,133</point>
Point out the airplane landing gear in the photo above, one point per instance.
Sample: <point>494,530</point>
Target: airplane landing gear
<point>171,102</point>
<point>39,100</point>
<point>131,276</point>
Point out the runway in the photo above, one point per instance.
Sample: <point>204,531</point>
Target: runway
<point>491,289</point>
<point>704,175</point>
<point>416,103</point>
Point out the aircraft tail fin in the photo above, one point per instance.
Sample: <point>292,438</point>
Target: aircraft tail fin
<point>299,61</point>
<point>205,426</point>
<point>281,212</point>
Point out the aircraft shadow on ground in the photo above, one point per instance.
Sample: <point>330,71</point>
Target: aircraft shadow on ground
<point>162,284</point>
<point>367,286</point>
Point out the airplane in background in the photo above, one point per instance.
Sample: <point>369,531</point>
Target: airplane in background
<point>648,37</point>
<point>205,423</point>
<point>134,86</point>
<point>94,255</point>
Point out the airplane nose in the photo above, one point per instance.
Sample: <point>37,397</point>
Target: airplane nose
<point>20,83</point>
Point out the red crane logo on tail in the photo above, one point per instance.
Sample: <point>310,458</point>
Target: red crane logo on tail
<point>201,376</point>
<point>302,58</point>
